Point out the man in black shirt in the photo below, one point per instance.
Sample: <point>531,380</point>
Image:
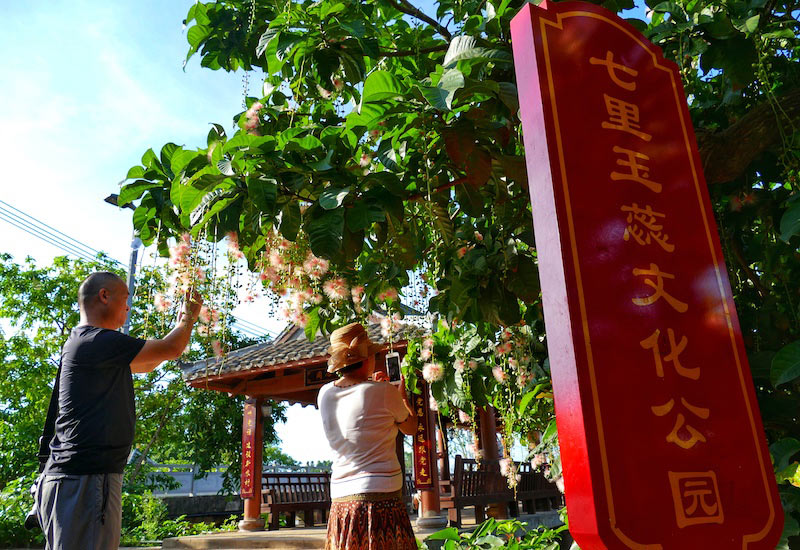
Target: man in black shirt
<point>79,495</point>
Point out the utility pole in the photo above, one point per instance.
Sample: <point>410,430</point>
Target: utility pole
<point>136,244</point>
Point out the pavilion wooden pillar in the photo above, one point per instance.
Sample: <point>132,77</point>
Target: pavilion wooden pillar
<point>252,431</point>
<point>444,455</point>
<point>488,441</point>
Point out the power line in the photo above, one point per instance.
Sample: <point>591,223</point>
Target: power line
<point>91,251</point>
<point>43,235</point>
<point>37,228</point>
<point>252,328</point>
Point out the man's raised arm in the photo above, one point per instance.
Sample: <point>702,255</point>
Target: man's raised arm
<point>172,345</point>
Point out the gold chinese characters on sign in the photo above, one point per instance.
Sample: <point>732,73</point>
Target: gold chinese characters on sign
<point>695,495</point>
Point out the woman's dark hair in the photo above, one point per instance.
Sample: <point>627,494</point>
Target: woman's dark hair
<point>349,368</point>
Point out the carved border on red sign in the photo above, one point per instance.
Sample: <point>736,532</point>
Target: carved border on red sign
<point>748,538</point>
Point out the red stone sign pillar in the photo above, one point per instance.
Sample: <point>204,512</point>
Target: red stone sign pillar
<point>661,438</point>
<point>252,447</point>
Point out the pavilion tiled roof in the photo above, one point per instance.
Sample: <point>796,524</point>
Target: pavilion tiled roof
<point>292,345</point>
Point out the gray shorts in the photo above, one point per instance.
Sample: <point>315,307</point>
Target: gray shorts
<point>80,512</point>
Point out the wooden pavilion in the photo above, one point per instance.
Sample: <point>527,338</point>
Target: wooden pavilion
<point>289,368</point>
<point>292,369</point>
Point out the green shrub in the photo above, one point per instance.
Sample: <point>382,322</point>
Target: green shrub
<point>493,534</point>
<point>15,501</point>
<point>144,519</point>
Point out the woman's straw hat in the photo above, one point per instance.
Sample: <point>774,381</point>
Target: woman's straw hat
<point>349,344</point>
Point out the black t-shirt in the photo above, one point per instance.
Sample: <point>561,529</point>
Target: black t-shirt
<point>96,412</point>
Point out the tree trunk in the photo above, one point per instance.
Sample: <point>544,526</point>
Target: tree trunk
<point>727,154</point>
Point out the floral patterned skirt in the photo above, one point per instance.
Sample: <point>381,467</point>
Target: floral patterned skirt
<point>364,522</point>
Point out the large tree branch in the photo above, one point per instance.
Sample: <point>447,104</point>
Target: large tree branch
<point>405,7</point>
<point>404,53</point>
<point>727,154</point>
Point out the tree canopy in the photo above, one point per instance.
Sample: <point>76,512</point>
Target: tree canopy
<point>386,142</point>
<point>39,308</point>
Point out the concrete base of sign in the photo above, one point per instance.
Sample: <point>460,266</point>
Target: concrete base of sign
<point>252,524</point>
<point>431,520</point>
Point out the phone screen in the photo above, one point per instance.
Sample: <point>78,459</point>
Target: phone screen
<point>393,367</point>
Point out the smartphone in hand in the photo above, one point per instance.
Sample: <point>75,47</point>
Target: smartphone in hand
<point>393,367</point>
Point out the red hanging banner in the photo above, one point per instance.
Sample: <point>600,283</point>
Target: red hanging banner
<point>661,438</point>
<point>423,447</point>
<point>248,449</point>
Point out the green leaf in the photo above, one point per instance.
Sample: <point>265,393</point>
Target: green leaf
<point>195,35</point>
<point>333,197</point>
<point>330,8</point>
<point>523,279</point>
<point>387,181</point>
<point>791,528</point>
<point>216,134</point>
<point>470,200</point>
<point>465,47</point>
<point>312,326</point>
<point>783,450</point>
<point>551,432</point>
<point>324,229</point>
<point>387,156</point>
<point>263,192</point>
<point>750,24</point>
<point>186,197</point>
<point>786,364</point>
<point>182,159</point>
<point>225,167</point>
<point>451,533</point>
<point>142,215</point>
<point>305,143</point>
<point>526,399</point>
<point>210,204</point>
<point>265,39</point>
<point>441,96</point>
<point>780,33</point>
<point>363,214</point>
<point>381,85</point>
<point>458,46</point>
<point>135,172</point>
<point>442,222</point>
<point>286,43</point>
<point>790,222</point>
<point>290,220</point>
<point>167,151</point>
<point>354,28</point>
<point>149,160</point>
<point>133,191</point>
<point>508,95</point>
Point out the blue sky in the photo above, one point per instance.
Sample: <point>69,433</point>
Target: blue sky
<point>86,86</point>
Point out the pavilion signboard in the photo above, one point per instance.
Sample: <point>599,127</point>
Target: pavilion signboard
<point>423,446</point>
<point>661,438</point>
<point>249,454</point>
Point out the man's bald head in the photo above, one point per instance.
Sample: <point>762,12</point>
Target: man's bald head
<point>91,286</point>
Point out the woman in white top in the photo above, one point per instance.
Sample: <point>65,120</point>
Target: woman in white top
<point>361,414</point>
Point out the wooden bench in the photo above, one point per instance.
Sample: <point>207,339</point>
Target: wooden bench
<point>534,488</point>
<point>479,485</point>
<point>292,492</point>
<point>473,484</point>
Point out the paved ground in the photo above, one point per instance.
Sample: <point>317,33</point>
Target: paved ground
<point>300,538</point>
